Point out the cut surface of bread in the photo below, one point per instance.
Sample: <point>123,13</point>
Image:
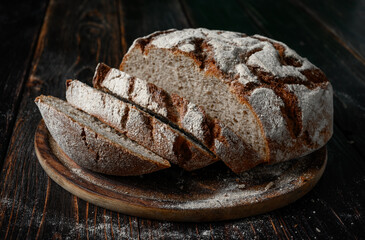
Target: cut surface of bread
<point>139,126</point>
<point>277,102</point>
<point>180,114</point>
<point>93,144</point>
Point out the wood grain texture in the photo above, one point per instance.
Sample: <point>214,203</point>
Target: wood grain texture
<point>75,36</point>
<point>344,19</point>
<point>14,64</point>
<point>142,17</point>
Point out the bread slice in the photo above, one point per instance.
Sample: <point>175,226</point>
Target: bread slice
<point>139,126</point>
<point>93,144</point>
<point>277,102</point>
<point>180,114</point>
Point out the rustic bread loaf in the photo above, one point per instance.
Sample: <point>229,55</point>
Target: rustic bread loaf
<point>180,114</point>
<point>139,126</point>
<point>93,144</point>
<point>277,102</point>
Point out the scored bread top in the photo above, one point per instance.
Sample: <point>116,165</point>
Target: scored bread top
<point>241,58</point>
<point>291,98</point>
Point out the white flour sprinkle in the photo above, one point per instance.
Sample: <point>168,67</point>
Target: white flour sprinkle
<point>229,49</point>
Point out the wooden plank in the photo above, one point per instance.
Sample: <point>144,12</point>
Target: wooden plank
<point>344,19</point>
<point>74,38</point>
<point>20,23</point>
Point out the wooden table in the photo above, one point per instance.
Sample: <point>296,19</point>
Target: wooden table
<point>44,43</point>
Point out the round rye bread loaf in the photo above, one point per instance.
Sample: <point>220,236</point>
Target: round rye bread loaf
<point>261,101</point>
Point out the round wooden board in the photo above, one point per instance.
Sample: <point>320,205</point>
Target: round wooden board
<point>210,194</point>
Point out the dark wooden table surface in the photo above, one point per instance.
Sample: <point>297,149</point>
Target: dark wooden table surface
<point>45,42</point>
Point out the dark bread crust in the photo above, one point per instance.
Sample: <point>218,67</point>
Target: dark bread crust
<point>99,75</point>
<point>92,150</point>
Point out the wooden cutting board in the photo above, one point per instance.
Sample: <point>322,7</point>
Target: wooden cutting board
<point>210,194</point>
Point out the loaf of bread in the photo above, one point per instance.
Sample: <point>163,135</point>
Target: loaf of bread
<point>93,144</point>
<point>270,99</point>
<point>191,98</point>
<point>139,126</point>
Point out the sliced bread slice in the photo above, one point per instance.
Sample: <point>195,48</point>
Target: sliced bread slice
<point>180,114</point>
<point>139,126</point>
<point>93,144</point>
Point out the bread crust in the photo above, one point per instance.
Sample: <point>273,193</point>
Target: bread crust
<point>92,150</point>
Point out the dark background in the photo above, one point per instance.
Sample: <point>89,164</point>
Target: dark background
<point>45,42</point>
